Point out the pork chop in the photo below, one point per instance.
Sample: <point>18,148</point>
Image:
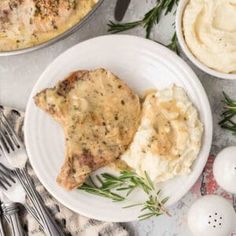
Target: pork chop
<point>99,114</point>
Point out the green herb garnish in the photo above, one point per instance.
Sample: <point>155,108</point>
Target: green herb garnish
<point>228,114</point>
<point>151,18</point>
<point>174,44</point>
<point>109,186</point>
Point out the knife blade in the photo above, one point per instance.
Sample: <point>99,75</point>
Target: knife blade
<point>120,9</point>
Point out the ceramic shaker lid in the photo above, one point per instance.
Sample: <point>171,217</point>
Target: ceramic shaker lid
<point>212,215</point>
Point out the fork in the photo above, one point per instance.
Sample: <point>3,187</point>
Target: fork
<point>15,152</point>
<point>14,191</point>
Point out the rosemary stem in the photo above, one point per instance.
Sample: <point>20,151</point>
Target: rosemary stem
<point>228,115</point>
<point>127,182</point>
<point>151,18</point>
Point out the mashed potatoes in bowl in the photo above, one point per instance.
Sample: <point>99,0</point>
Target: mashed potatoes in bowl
<point>168,139</point>
<point>209,29</point>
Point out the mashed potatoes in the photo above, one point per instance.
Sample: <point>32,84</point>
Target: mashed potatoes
<point>209,28</point>
<point>168,139</point>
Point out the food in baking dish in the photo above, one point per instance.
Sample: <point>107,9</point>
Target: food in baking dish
<point>25,23</point>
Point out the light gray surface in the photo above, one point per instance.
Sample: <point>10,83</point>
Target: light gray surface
<point>18,75</point>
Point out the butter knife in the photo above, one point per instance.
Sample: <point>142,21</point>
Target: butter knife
<point>2,231</point>
<point>120,9</point>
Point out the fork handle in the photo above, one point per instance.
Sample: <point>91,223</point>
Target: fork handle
<point>11,211</point>
<point>50,226</point>
<point>31,211</point>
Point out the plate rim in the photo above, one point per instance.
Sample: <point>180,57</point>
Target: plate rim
<point>178,60</point>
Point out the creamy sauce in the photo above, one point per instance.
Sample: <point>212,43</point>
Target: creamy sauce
<point>99,114</point>
<point>169,137</point>
<point>24,23</point>
<point>209,28</point>
<point>119,165</point>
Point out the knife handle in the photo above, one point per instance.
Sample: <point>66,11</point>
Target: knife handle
<point>2,232</point>
<point>120,9</point>
<point>10,209</point>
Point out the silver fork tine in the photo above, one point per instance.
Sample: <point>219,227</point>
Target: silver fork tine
<point>8,138</point>
<point>4,144</point>
<point>5,177</point>
<point>2,185</point>
<point>8,141</point>
<point>5,130</point>
<point>9,129</point>
<point>5,180</point>
<point>7,172</point>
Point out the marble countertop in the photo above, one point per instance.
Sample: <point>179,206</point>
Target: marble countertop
<point>18,74</point>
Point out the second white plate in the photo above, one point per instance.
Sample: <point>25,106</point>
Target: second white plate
<point>142,64</point>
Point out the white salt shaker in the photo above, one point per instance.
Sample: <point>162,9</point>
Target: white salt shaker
<point>224,169</point>
<point>212,215</point>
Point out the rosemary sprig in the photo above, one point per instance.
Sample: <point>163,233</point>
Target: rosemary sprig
<point>151,18</point>
<point>174,44</point>
<point>126,182</point>
<point>228,114</point>
<point>154,207</point>
<point>105,189</point>
<point>115,28</point>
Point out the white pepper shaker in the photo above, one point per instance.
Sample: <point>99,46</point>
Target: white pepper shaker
<point>224,169</point>
<point>212,215</point>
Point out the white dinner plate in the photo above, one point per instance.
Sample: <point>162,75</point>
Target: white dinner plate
<point>142,64</point>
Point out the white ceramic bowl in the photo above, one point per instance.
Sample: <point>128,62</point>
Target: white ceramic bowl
<point>192,58</point>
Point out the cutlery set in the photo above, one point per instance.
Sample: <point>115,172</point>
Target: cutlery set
<point>16,185</point>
